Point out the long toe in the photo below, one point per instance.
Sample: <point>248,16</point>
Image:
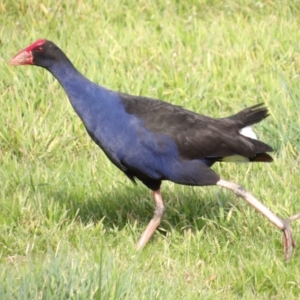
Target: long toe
<point>288,243</point>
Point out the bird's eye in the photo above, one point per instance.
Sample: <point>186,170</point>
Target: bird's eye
<point>39,49</point>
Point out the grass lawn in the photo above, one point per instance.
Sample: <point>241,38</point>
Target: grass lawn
<point>69,220</point>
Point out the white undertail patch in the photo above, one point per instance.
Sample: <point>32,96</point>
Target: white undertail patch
<point>235,159</point>
<point>248,132</point>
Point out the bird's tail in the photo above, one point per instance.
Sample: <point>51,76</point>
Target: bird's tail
<point>244,120</point>
<point>250,115</point>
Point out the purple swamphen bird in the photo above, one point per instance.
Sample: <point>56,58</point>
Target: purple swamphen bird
<point>151,140</point>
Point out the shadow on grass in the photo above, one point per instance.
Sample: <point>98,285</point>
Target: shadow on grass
<point>186,207</point>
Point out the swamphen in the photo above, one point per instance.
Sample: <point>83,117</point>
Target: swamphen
<point>151,140</point>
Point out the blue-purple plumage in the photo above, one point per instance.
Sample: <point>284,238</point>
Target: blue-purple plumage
<point>150,139</point>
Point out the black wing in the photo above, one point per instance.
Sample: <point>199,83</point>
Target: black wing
<point>198,136</point>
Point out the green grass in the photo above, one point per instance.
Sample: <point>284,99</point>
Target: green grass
<point>69,219</point>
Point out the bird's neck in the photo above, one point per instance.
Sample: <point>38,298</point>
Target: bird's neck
<point>66,73</point>
<point>84,95</point>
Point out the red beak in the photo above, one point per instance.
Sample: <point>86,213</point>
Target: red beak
<point>24,57</point>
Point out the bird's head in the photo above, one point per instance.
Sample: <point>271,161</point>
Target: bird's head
<point>42,53</point>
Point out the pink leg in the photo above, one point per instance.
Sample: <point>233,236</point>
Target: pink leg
<point>155,221</point>
<point>284,225</point>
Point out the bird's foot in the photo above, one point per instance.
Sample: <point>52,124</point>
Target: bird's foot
<point>288,241</point>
